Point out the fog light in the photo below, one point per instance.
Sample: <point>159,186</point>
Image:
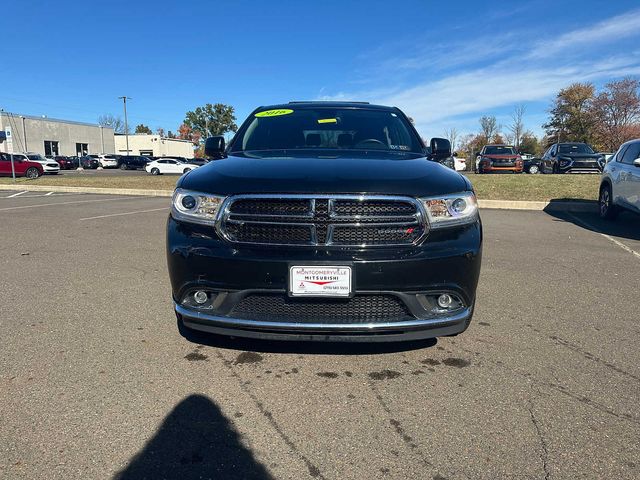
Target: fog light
<point>200,297</point>
<point>445,301</point>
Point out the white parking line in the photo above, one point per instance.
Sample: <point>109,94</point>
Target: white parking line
<point>17,194</point>
<point>126,213</point>
<point>626,248</point>
<point>71,203</point>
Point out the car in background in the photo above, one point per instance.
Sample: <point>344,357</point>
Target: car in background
<point>499,158</point>
<point>607,156</point>
<point>66,163</point>
<point>169,165</point>
<point>531,165</point>
<point>459,163</point>
<point>22,166</point>
<point>49,166</point>
<point>132,162</point>
<point>108,161</point>
<point>89,161</point>
<point>198,161</point>
<point>620,183</point>
<point>572,157</point>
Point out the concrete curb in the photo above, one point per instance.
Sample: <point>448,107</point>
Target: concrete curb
<point>98,190</point>
<point>553,205</point>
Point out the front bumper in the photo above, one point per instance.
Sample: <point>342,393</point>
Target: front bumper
<point>447,262</point>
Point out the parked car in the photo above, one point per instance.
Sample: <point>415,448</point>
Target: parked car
<point>571,157</point>
<point>22,166</point>
<point>198,161</point>
<point>168,165</point>
<point>108,161</point>
<point>325,221</point>
<point>90,162</point>
<point>49,166</point>
<point>531,165</point>
<point>499,159</point>
<point>63,161</point>
<point>620,183</point>
<point>607,156</point>
<point>459,163</point>
<point>132,162</point>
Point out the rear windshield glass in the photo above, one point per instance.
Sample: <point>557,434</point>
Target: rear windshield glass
<point>326,129</point>
<point>499,150</point>
<point>575,148</point>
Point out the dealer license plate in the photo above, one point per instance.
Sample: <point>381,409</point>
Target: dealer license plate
<point>319,281</point>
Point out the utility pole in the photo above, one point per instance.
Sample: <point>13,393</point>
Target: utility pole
<point>126,123</point>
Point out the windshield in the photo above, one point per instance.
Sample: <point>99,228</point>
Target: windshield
<point>326,129</point>
<point>34,157</point>
<point>575,148</point>
<point>499,150</point>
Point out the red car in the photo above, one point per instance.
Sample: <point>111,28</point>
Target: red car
<point>499,158</point>
<point>21,164</point>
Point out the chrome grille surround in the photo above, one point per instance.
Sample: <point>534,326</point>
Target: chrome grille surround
<point>322,215</point>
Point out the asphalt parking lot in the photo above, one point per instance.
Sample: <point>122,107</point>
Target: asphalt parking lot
<point>97,382</point>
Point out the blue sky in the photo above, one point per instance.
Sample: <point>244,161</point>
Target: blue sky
<point>444,63</point>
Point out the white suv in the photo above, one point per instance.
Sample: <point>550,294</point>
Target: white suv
<point>108,161</point>
<point>620,184</point>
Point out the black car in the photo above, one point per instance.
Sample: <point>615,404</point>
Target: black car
<point>132,162</point>
<point>325,221</point>
<point>531,165</point>
<point>571,157</point>
<point>89,162</point>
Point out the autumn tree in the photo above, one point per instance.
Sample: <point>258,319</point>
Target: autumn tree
<point>617,114</point>
<point>571,116</point>
<point>185,132</point>
<point>143,129</point>
<point>489,127</point>
<point>517,125</point>
<point>211,119</point>
<point>112,121</point>
<point>530,144</point>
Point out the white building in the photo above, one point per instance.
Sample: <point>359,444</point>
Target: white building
<point>49,136</point>
<point>153,146</point>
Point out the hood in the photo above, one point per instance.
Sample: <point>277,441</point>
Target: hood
<point>355,172</point>
<point>502,157</point>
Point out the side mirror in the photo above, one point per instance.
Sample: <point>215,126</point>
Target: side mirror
<point>440,148</point>
<point>636,162</point>
<point>214,146</point>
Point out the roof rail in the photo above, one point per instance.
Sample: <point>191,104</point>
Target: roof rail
<point>327,101</point>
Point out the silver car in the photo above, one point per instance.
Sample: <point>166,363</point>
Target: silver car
<point>620,184</point>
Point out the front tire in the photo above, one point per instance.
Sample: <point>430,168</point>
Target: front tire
<point>123,167</point>
<point>32,173</point>
<point>607,209</point>
<point>534,169</point>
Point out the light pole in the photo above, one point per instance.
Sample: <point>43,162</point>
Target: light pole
<point>126,123</point>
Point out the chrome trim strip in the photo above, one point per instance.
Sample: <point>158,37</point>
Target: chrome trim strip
<point>419,218</point>
<point>230,322</point>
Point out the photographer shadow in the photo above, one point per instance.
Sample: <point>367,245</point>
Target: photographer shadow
<point>195,441</point>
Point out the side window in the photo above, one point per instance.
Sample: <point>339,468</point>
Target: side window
<point>632,153</point>
<point>553,150</point>
<point>4,157</point>
<point>620,153</point>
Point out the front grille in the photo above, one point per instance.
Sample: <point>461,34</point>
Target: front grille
<point>359,309</point>
<point>323,220</point>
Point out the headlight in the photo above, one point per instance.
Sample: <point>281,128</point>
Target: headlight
<point>451,210</point>
<point>195,207</point>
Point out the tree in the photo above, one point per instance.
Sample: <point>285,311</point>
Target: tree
<point>160,131</point>
<point>617,113</point>
<point>517,125</point>
<point>170,134</point>
<point>571,115</point>
<point>489,127</point>
<point>530,144</point>
<point>143,129</point>
<point>185,132</point>
<point>211,119</point>
<point>111,121</point>
<point>451,134</point>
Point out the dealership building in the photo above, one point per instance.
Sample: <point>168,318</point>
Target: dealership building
<point>153,146</point>
<point>48,136</point>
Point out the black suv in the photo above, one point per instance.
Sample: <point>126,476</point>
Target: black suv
<point>132,162</point>
<point>325,221</point>
<point>571,158</point>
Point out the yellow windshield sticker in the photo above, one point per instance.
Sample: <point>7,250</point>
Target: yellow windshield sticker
<point>327,120</point>
<point>274,113</point>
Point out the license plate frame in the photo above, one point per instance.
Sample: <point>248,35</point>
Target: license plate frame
<point>316,275</point>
